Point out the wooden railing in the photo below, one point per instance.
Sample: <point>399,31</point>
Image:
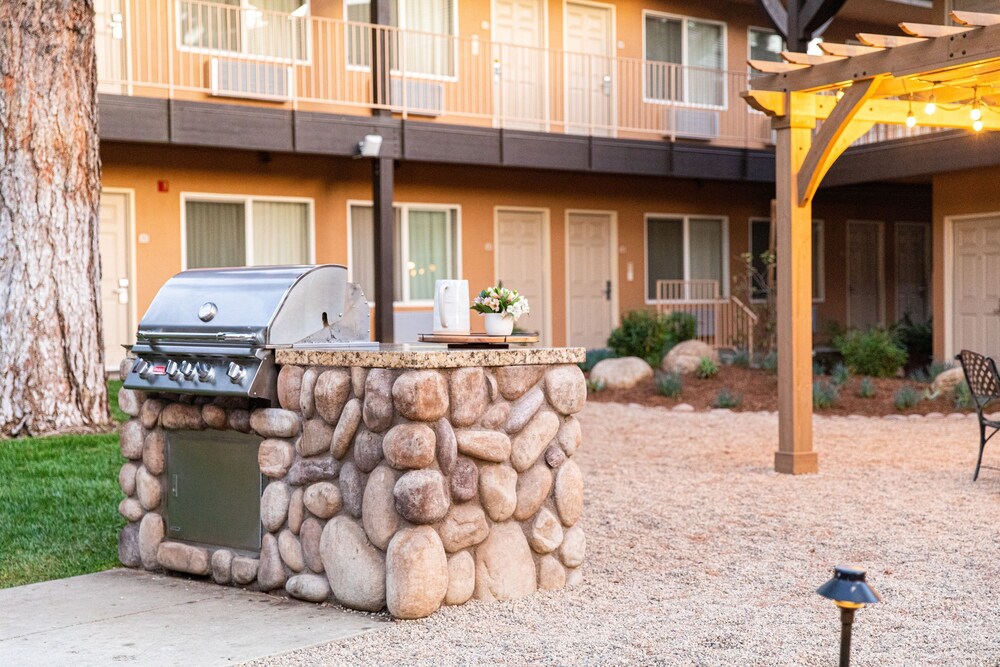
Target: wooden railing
<point>721,321</point>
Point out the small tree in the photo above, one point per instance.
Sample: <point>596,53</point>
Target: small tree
<point>51,358</point>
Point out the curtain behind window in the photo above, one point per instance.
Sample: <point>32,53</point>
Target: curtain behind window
<point>765,45</point>
<point>429,240</point>
<point>216,234</point>
<point>280,233</point>
<point>428,53</point>
<point>664,252</point>
<point>705,240</point>
<point>663,56</point>
<point>363,249</point>
<point>706,83</point>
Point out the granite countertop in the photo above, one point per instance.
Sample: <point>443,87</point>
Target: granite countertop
<point>426,355</point>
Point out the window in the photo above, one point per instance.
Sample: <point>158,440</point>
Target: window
<point>764,44</point>
<point>686,248</point>
<point>427,249</point>
<point>684,60</point>
<point>760,242</point>
<point>246,231</point>
<point>426,48</point>
<point>262,29</point>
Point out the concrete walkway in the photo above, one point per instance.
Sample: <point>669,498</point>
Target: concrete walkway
<point>139,618</point>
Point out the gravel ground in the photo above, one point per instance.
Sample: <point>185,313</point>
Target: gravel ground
<point>699,554</point>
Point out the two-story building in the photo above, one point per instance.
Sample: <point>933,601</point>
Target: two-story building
<point>580,151</point>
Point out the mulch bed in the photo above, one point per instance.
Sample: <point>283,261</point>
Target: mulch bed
<point>759,391</point>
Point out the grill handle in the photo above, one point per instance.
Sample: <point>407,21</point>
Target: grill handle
<point>197,335</point>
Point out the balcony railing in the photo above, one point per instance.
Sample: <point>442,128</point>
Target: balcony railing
<point>191,49</point>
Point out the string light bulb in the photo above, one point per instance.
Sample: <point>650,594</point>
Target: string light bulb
<point>931,106</point>
<point>839,93</point>
<point>976,113</point>
<point>911,120</point>
<point>977,125</point>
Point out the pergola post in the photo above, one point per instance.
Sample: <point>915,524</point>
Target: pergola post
<point>793,231</point>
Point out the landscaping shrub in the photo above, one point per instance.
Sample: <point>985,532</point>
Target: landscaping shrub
<point>680,327</point>
<point>706,368</point>
<point>818,368</point>
<point>727,399</point>
<point>840,375</point>
<point>595,386</point>
<point>906,397</point>
<point>916,339</point>
<point>670,385</point>
<point>825,394</point>
<point>963,398</point>
<point>866,389</point>
<point>593,356</point>
<point>741,358</point>
<point>770,362</point>
<point>642,334</point>
<point>872,352</point>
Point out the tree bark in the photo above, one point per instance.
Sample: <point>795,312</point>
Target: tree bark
<point>52,375</point>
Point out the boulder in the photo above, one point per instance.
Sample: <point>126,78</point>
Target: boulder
<point>128,545</point>
<point>274,505</point>
<point>529,444</point>
<point>151,532</point>
<point>296,510</point>
<point>131,439</point>
<point>214,416</point>
<point>533,486</point>
<point>569,436</point>
<point>239,420</point>
<point>505,569</point>
<point>461,578</point>
<point>354,568</point>
<point>523,409</point>
<point>464,526</point>
<point>131,509</point>
<point>573,547</point>
<point>183,558</point>
<point>513,381</point>
<point>410,445</point>
<point>358,377</point>
<point>290,550</point>
<point>308,587</point>
<point>569,492</point>
<point>130,401</point>
<point>149,413</point>
<point>486,445</point>
<point>307,392</point>
<point>946,381</point>
<point>378,410</point>
<point>322,499</point>
<point>274,422</point>
<point>498,491</point>
<point>421,496</point>
<point>469,395</point>
<point>274,457</point>
<point>154,449</point>
<point>447,445</point>
<point>290,387</point>
<point>347,426</point>
<point>309,537</point>
<point>316,438</point>
<point>222,566</point>
<point>352,488</point>
<point>421,395</point>
<point>551,574</point>
<point>270,571</point>
<point>554,456</point>
<point>546,533</point>
<point>496,415</point>
<point>623,373</point>
<point>378,510</point>
<point>416,573</point>
<point>566,388</point>
<point>179,416</point>
<point>367,450</point>
<point>314,469</point>
<point>126,477</point>
<point>332,390</point>
<point>244,570</point>
<point>148,489</point>
<point>464,480</point>
<point>684,357</point>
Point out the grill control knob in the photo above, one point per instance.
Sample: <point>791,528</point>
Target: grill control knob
<point>187,370</point>
<point>142,368</point>
<point>205,371</point>
<point>236,372</point>
<point>172,370</point>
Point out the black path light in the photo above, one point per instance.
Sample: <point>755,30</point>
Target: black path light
<point>849,591</point>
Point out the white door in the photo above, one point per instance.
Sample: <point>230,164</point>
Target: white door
<point>589,83</point>
<point>865,285</point>
<point>519,62</point>
<point>976,282</point>
<point>913,269</point>
<point>521,263</point>
<point>109,44</point>
<point>116,284</point>
<point>590,285</point>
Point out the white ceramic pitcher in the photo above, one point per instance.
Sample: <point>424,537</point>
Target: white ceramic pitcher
<point>451,307</point>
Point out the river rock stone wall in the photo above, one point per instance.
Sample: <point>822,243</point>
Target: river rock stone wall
<point>398,489</point>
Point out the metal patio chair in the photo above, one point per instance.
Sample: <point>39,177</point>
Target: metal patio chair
<point>984,384</point>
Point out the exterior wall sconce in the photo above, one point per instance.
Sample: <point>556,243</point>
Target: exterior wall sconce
<point>849,591</point>
<point>370,146</point>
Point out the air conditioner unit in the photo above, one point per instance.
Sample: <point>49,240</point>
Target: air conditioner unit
<point>424,98</point>
<point>250,79</point>
<point>693,123</point>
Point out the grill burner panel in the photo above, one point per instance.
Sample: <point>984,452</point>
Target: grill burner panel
<point>213,331</point>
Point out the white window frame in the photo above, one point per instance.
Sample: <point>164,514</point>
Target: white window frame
<point>404,209</point>
<point>752,28</point>
<point>247,201</point>
<point>686,243</point>
<point>818,242</point>
<point>684,60</point>
<point>245,6</point>
<point>453,36</point>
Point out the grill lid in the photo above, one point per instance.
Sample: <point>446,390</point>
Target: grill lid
<point>253,306</point>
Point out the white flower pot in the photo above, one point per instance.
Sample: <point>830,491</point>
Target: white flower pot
<point>498,324</point>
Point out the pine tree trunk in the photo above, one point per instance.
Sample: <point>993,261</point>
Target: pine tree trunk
<point>51,357</point>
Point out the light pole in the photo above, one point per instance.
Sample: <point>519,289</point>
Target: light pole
<point>849,591</point>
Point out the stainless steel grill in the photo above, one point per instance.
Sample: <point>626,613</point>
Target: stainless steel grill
<point>213,331</point>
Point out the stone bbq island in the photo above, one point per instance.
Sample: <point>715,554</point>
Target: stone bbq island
<point>403,477</point>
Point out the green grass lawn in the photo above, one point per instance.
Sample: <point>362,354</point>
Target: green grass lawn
<point>59,504</point>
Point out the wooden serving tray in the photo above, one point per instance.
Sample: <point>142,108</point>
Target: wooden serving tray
<point>477,340</point>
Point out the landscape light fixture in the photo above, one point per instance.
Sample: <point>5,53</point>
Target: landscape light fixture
<point>370,146</point>
<point>849,591</point>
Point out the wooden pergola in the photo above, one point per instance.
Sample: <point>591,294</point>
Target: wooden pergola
<point>934,76</point>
